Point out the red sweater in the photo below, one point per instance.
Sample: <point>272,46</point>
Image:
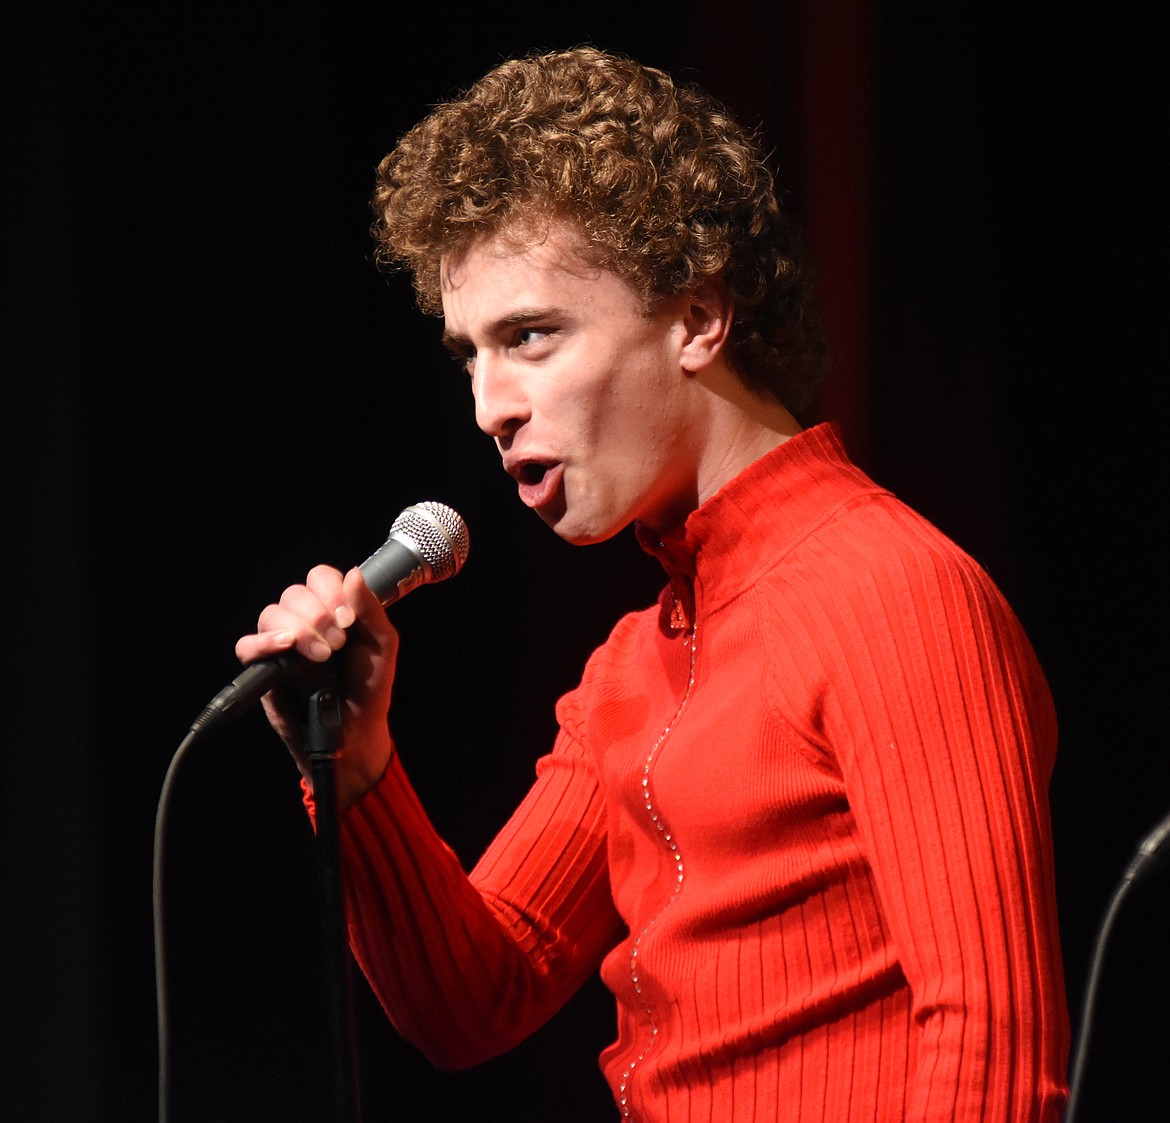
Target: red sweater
<point>798,814</point>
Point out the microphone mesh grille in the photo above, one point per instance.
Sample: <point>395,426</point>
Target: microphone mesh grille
<point>438,533</point>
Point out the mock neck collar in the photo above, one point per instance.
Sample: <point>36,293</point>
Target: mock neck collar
<point>755,518</point>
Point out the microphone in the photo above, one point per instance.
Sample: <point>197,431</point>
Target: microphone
<point>428,542</point>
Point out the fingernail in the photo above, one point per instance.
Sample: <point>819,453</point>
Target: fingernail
<point>284,639</point>
<point>344,616</point>
<point>319,651</point>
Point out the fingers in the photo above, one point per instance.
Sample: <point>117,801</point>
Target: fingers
<point>374,638</point>
<point>328,585</point>
<point>363,604</point>
<point>310,618</point>
<point>263,645</point>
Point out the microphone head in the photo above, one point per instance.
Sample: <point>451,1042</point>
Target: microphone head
<point>437,534</point>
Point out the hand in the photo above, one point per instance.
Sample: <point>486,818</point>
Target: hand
<point>328,612</point>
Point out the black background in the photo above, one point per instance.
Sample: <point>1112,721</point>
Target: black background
<point>209,388</point>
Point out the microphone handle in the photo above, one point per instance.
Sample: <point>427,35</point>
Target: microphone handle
<point>394,570</point>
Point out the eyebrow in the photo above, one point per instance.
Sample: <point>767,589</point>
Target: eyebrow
<point>459,344</point>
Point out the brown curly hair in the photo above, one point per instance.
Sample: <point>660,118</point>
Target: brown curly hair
<point>668,190</point>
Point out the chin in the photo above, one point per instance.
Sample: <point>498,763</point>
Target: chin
<point>576,533</point>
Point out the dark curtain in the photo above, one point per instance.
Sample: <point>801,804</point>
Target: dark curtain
<point>208,389</point>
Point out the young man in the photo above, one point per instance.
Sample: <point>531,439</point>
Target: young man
<point>796,811</point>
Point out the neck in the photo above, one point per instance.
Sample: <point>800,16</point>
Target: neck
<point>742,426</point>
<point>733,427</point>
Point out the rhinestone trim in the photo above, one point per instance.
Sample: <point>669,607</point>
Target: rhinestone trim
<point>672,845</point>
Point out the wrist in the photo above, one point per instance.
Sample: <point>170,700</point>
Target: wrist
<point>361,767</point>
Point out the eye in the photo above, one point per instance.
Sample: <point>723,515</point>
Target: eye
<point>535,342</point>
<point>463,358</point>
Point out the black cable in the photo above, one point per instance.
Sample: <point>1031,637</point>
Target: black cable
<point>1077,1071</point>
<point>1149,854</point>
<point>160,967</point>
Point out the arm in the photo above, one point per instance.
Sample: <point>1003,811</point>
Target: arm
<point>946,743</point>
<point>466,967</point>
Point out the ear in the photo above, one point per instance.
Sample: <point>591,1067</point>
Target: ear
<point>708,313</point>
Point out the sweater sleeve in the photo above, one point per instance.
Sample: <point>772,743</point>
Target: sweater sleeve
<point>946,735</point>
<point>467,966</point>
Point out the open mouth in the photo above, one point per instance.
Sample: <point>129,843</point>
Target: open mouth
<point>538,481</point>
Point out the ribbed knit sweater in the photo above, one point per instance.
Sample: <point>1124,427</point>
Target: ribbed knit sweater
<point>797,813</point>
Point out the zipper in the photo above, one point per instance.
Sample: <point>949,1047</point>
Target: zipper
<point>671,844</point>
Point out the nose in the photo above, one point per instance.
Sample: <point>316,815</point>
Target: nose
<point>501,405</point>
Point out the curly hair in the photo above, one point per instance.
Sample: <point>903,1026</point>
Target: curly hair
<point>667,189</point>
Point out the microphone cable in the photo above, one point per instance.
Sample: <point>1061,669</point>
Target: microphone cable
<point>1148,855</point>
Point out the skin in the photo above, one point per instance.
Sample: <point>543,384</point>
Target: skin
<point>603,412</point>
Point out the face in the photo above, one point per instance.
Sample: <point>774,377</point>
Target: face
<point>582,390</point>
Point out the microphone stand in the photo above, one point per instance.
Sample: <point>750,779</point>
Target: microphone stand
<point>324,736</point>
